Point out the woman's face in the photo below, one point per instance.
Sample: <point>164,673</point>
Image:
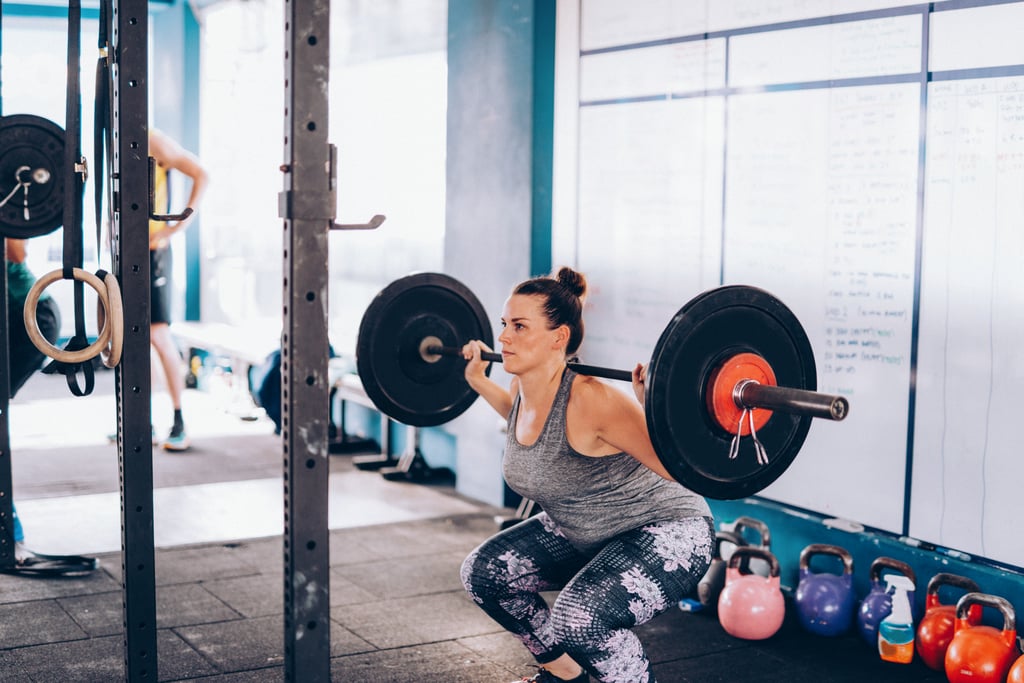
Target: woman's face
<point>526,340</point>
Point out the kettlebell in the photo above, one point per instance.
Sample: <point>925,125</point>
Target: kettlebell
<point>825,601</point>
<point>981,654</point>
<point>877,604</point>
<point>757,565</point>
<point>1016,674</point>
<point>936,627</point>
<point>710,587</point>
<point>751,606</point>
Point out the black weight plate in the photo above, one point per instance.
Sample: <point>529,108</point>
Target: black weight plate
<point>396,377</point>
<point>35,143</point>
<point>710,328</point>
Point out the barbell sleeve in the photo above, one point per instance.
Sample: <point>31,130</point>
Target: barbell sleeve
<point>746,394</point>
<point>751,394</point>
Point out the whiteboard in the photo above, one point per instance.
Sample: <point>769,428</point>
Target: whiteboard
<point>820,211</point>
<point>649,210</point>
<point>886,213</point>
<point>967,456</point>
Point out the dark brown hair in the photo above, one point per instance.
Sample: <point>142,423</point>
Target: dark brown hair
<point>562,296</point>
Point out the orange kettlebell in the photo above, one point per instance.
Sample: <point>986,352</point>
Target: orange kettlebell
<point>1016,671</point>
<point>981,654</point>
<point>936,627</point>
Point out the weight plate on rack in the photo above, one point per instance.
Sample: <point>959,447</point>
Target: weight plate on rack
<point>31,176</point>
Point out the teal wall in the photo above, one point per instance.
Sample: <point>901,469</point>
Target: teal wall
<point>498,200</point>
<point>175,110</point>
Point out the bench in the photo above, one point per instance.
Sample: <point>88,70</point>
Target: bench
<point>410,465</point>
<point>244,346</point>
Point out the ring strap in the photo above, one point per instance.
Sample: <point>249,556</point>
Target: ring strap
<point>75,183</point>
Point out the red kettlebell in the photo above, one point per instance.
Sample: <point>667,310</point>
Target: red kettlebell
<point>936,627</point>
<point>981,654</point>
<point>710,587</point>
<point>757,566</point>
<point>751,606</point>
<point>1016,674</point>
<point>877,604</point>
<point>824,601</point>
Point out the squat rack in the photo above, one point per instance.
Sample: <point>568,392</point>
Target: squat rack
<point>307,207</point>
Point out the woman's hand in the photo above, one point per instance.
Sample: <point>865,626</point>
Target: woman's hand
<point>639,382</point>
<point>476,367</point>
<point>498,397</point>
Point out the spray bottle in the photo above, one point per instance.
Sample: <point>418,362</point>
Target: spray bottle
<point>896,632</point>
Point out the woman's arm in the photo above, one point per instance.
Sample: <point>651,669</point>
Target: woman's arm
<point>610,421</point>
<point>15,250</point>
<point>169,154</point>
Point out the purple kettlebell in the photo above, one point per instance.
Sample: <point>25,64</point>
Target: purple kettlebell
<point>825,602</point>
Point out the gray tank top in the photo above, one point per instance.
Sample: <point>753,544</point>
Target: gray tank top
<point>592,499</point>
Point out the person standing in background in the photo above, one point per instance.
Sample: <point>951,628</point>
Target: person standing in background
<point>24,358</point>
<point>169,155</point>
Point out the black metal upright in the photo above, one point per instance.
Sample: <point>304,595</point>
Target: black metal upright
<point>129,169</point>
<point>307,206</point>
<point>6,478</point>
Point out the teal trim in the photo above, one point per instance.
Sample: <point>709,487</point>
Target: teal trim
<point>190,124</point>
<point>543,135</point>
<point>90,9</point>
<point>48,11</point>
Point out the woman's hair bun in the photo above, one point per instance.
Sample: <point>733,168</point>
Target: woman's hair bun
<point>573,281</point>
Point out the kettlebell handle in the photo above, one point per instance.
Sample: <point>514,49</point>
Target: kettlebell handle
<point>757,525</point>
<point>963,606</point>
<point>727,537</point>
<point>946,579</point>
<point>826,549</point>
<point>889,563</point>
<point>744,552</point>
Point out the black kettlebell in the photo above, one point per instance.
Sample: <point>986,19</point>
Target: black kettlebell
<point>757,565</point>
<point>710,587</point>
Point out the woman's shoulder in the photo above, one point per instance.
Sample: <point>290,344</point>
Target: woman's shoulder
<point>594,392</point>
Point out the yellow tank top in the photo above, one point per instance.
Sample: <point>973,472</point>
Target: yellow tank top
<point>159,197</point>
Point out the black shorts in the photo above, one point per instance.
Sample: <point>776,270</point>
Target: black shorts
<point>160,285</point>
<point>25,357</point>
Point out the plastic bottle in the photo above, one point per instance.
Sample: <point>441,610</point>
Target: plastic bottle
<point>896,632</point>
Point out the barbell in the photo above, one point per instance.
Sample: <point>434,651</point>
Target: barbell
<point>730,389</point>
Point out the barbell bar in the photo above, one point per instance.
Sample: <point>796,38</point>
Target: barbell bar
<point>734,362</point>
<point>747,393</point>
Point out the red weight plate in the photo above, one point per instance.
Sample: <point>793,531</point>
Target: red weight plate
<point>722,383</point>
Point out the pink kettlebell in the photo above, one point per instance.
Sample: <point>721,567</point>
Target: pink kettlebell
<point>751,606</point>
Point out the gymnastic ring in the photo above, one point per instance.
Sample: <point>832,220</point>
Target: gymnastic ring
<point>32,325</point>
<point>111,354</point>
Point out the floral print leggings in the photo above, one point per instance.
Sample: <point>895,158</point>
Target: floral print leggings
<point>633,578</point>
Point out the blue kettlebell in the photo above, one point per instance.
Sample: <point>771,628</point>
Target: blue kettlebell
<point>825,602</point>
<point>877,604</point>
